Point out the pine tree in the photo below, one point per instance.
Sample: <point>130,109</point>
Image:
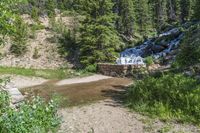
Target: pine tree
<point>197,10</point>
<point>143,16</point>
<point>159,12</point>
<point>99,39</point>
<point>125,22</point>
<point>50,6</point>
<point>184,9</point>
<point>172,10</point>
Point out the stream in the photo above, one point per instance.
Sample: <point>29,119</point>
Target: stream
<point>160,46</point>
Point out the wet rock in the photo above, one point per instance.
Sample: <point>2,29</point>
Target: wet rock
<point>157,48</point>
<point>164,43</point>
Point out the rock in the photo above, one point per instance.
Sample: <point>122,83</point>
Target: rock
<point>157,48</point>
<point>164,43</point>
<point>16,95</point>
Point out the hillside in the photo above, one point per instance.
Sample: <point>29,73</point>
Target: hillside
<point>41,51</point>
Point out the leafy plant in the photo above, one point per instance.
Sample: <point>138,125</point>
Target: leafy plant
<point>31,116</point>
<point>91,68</point>
<point>170,96</point>
<point>149,60</point>
<point>36,54</point>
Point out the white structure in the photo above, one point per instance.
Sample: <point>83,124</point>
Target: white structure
<point>130,61</point>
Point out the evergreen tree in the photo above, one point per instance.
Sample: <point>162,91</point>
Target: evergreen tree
<point>143,16</point>
<point>99,39</point>
<point>185,10</point>
<point>197,10</point>
<point>50,6</point>
<point>172,10</point>
<point>159,12</point>
<point>125,22</point>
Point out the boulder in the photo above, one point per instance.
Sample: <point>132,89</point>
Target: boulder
<point>16,95</point>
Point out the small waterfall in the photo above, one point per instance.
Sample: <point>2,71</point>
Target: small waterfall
<point>152,48</point>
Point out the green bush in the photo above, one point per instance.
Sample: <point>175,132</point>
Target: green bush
<point>91,68</point>
<point>31,117</point>
<point>168,97</point>
<point>149,60</point>
<point>36,54</point>
<point>35,13</point>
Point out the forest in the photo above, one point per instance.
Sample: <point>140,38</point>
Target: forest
<point>56,40</point>
<point>109,26</point>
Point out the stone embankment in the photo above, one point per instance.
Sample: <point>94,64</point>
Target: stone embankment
<point>120,70</point>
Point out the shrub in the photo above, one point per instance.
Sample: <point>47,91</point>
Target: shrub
<point>32,116</point>
<point>36,54</point>
<point>170,96</point>
<point>149,60</point>
<point>35,13</point>
<point>91,68</point>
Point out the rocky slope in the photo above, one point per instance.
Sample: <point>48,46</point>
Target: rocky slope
<point>42,52</point>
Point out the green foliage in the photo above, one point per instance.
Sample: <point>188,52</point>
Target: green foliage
<point>19,38</point>
<point>149,60</point>
<point>197,10</point>
<point>170,96</point>
<point>143,17</point>
<point>31,116</point>
<point>35,13</point>
<point>57,26</point>
<point>185,9</point>
<point>99,39</point>
<point>4,102</point>
<point>7,16</point>
<point>36,54</point>
<point>125,21</point>
<point>190,47</point>
<point>91,68</point>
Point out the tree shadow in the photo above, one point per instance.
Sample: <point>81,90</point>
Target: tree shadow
<point>118,95</point>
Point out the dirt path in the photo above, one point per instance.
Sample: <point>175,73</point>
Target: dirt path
<point>102,117</point>
<point>109,116</point>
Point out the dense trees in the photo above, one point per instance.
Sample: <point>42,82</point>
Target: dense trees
<point>99,39</point>
<point>185,10</point>
<point>109,23</point>
<point>125,21</point>
<point>197,10</point>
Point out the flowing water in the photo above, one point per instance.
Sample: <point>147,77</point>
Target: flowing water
<point>152,47</point>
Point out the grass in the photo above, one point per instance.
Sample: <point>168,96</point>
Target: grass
<point>44,73</point>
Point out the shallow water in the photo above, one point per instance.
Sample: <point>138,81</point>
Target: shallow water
<point>80,93</point>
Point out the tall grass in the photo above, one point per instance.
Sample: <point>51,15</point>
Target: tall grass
<point>168,97</point>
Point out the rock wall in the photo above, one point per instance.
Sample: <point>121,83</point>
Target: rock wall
<point>115,70</point>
